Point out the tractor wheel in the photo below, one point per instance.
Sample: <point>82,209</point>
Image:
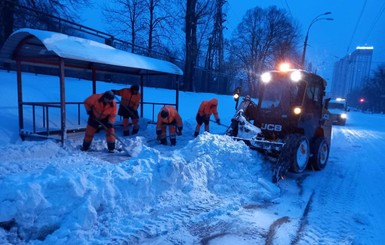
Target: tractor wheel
<point>320,150</point>
<point>294,156</point>
<point>301,154</point>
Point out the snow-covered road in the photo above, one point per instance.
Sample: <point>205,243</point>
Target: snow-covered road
<point>347,206</point>
<point>341,204</point>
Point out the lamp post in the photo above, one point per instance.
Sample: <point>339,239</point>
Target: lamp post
<point>236,95</point>
<point>317,18</point>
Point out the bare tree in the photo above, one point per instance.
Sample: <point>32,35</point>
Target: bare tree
<point>374,90</point>
<point>66,9</point>
<point>263,38</point>
<point>126,18</point>
<point>152,22</point>
<point>159,22</point>
<point>7,10</point>
<point>14,13</point>
<point>144,23</point>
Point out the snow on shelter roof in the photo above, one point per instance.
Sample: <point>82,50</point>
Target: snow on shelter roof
<point>80,53</point>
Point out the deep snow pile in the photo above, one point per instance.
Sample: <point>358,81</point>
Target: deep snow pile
<point>62,195</point>
<point>54,195</point>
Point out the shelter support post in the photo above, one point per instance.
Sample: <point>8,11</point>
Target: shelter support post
<point>141,94</point>
<point>62,102</point>
<point>20,96</point>
<point>177,93</point>
<point>93,81</point>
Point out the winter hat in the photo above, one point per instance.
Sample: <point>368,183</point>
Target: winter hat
<point>164,113</point>
<point>135,87</point>
<point>109,95</point>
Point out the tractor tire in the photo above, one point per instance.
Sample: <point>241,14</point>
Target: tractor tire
<point>294,156</point>
<point>320,154</point>
<point>301,154</point>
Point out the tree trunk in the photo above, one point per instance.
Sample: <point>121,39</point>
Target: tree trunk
<point>7,10</point>
<point>151,27</point>
<point>191,44</point>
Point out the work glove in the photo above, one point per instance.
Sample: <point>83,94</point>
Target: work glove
<point>179,131</point>
<point>109,125</point>
<point>158,132</point>
<point>218,121</point>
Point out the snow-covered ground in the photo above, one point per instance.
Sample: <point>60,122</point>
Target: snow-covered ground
<point>205,190</point>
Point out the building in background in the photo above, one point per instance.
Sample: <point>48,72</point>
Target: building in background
<point>351,72</point>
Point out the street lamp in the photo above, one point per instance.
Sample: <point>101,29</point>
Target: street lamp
<point>317,18</point>
<point>236,95</point>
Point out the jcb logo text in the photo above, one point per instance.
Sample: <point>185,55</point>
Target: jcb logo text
<point>271,127</point>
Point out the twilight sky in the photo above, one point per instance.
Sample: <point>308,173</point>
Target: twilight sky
<point>356,23</point>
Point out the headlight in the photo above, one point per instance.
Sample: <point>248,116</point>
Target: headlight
<point>295,76</point>
<point>284,67</point>
<point>343,116</point>
<point>297,110</point>
<point>266,77</point>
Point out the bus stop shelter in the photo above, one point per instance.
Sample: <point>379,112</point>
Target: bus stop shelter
<point>62,53</point>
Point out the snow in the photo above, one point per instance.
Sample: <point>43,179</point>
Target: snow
<point>205,190</point>
<point>77,48</point>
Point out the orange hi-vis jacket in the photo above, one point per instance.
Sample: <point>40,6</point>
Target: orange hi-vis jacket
<point>128,98</point>
<point>209,107</point>
<point>172,115</point>
<point>101,110</point>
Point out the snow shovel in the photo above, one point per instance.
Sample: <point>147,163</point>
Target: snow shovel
<point>220,124</point>
<point>116,137</point>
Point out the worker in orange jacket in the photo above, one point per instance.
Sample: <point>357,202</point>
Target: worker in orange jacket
<point>168,117</point>
<point>128,108</point>
<point>101,109</point>
<point>206,108</point>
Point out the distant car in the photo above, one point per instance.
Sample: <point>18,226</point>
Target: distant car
<point>338,111</point>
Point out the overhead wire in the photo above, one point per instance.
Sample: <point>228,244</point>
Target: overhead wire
<point>357,23</point>
<point>374,23</point>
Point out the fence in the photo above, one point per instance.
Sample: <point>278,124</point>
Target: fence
<point>44,118</point>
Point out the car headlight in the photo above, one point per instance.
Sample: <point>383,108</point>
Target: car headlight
<point>344,116</point>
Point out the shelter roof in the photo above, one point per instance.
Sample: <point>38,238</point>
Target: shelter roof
<point>44,47</point>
